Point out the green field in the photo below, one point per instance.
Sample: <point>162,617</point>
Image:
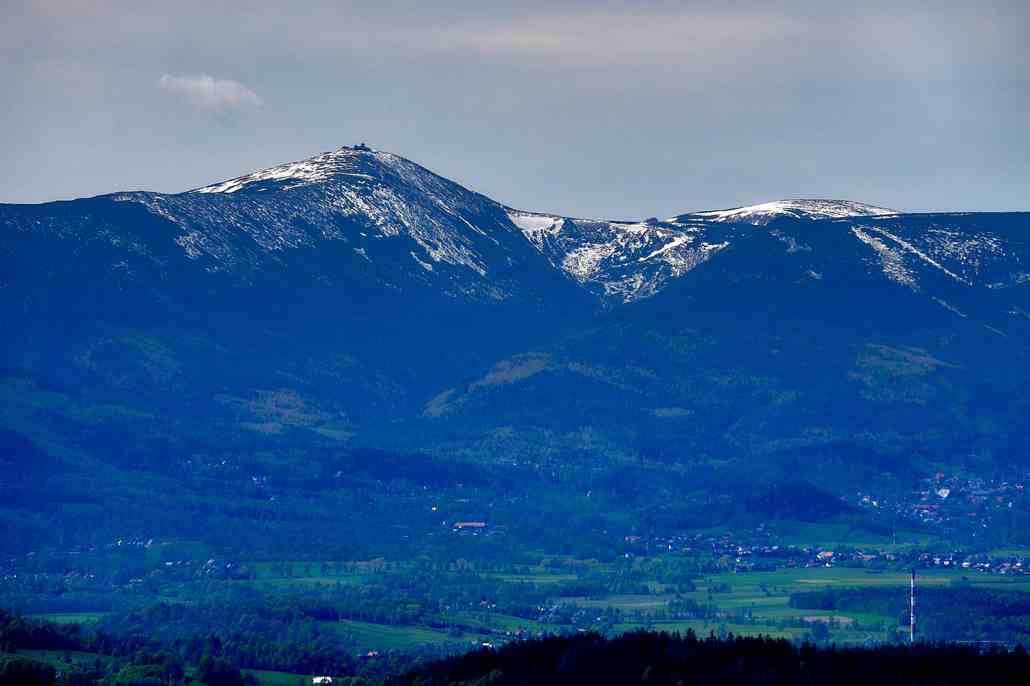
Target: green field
<point>542,578</point>
<point>745,603</point>
<point>266,678</point>
<point>755,603</point>
<point>763,599</point>
<point>371,636</point>
<point>497,622</point>
<point>59,658</point>
<point>70,617</point>
<point>624,602</point>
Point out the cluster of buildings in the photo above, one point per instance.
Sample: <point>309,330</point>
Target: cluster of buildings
<point>943,500</point>
<point>752,551</point>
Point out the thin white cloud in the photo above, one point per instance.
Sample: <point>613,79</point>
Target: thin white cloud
<point>206,93</point>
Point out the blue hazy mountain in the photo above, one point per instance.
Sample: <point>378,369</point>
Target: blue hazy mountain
<point>357,298</point>
<point>361,277</point>
<point>798,344</point>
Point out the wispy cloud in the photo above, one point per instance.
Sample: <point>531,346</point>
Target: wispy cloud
<point>208,94</point>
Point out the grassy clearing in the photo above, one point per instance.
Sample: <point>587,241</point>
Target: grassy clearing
<point>529,577</point>
<point>266,678</point>
<point>497,622</point>
<point>70,617</point>
<point>370,636</point>
<point>624,602</point>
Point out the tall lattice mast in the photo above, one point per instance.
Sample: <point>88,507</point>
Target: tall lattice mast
<point>912,609</point>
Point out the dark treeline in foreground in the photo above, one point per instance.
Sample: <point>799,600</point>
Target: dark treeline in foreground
<point>36,653</point>
<point>660,658</point>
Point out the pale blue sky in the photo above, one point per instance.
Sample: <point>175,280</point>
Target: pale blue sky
<point>619,110</point>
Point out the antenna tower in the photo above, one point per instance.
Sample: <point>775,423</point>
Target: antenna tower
<point>912,609</point>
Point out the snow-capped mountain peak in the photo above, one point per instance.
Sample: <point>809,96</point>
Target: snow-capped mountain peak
<point>384,214</point>
<point>342,162</point>
<point>802,208</point>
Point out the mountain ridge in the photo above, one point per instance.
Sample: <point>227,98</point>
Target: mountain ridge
<point>361,196</point>
<point>364,298</point>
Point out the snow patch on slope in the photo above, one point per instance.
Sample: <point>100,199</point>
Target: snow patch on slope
<point>891,259</point>
<point>893,251</point>
<point>533,225</point>
<point>583,263</point>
